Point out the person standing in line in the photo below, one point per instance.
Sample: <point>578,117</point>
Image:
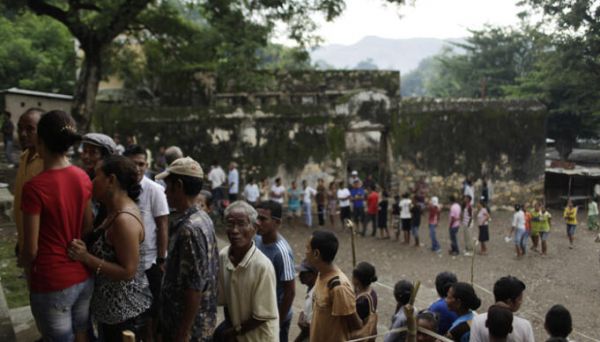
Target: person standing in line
<point>8,129</point>
<point>372,208</point>
<point>454,219</point>
<point>402,292</point>
<point>154,208</point>
<point>467,223</point>
<point>396,220</point>
<point>518,227</point>
<point>443,281</point>
<point>247,282</point>
<point>344,196</point>
<point>415,220</point>
<point>434,217</point>
<point>188,296</point>
<point>363,276</point>
<point>30,165</point>
<point>570,216</point>
<point>265,188</point>
<point>483,221</point>
<point>321,200</point>
<point>358,206</point>
<point>545,228</point>
<point>56,209</point>
<point>307,194</point>
<point>469,190</point>
<point>382,216</point>
<point>592,215</point>
<point>233,181</point>
<point>405,216</point>
<point>251,192</point>
<point>277,192</point>
<point>508,291</point>
<point>276,248</point>
<point>294,201</point>
<point>536,225</point>
<point>485,191</point>
<point>334,309</point>
<point>122,296</point>
<point>217,178</point>
<point>308,277</point>
<point>332,200</point>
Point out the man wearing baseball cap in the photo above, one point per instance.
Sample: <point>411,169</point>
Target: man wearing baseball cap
<point>308,276</point>
<point>189,289</point>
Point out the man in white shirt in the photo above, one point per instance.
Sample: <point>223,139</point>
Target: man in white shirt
<point>343,195</point>
<point>251,192</point>
<point>154,208</point>
<point>277,191</point>
<point>307,195</point>
<point>508,290</point>
<point>518,227</point>
<point>217,177</point>
<point>233,180</point>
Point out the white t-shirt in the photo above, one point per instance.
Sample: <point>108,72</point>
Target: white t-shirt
<point>344,193</point>
<point>471,192</point>
<point>522,331</point>
<point>251,192</point>
<point>307,193</point>
<point>216,176</point>
<point>233,179</point>
<point>278,191</point>
<point>152,203</point>
<point>519,220</point>
<point>308,303</point>
<point>405,208</point>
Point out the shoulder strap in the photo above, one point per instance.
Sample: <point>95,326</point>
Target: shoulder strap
<point>334,282</point>
<point>369,299</point>
<point>127,212</point>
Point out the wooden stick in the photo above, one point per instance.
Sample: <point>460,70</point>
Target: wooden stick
<point>409,312</point>
<point>128,336</point>
<point>350,225</point>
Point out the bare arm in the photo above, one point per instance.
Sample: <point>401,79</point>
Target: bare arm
<point>354,322</point>
<point>31,232</point>
<point>88,220</point>
<point>162,235</point>
<point>191,304</point>
<point>125,236</point>
<point>289,292</point>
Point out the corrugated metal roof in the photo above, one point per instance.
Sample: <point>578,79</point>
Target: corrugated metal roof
<point>577,171</point>
<point>36,93</point>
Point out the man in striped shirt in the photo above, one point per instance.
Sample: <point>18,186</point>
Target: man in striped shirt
<point>277,249</point>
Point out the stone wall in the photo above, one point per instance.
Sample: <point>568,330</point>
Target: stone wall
<point>321,124</point>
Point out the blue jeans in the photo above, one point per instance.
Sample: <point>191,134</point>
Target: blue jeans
<point>454,239</point>
<point>61,314</point>
<point>8,150</point>
<point>307,208</point>
<point>571,229</point>
<point>415,231</point>
<point>435,245</point>
<point>521,237</point>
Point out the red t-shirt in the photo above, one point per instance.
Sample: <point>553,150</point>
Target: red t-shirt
<point>434,214</point>
<point>60,198</point>
<point>372,203</point>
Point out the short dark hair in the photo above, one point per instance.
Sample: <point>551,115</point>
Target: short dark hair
<point>326,243</point>
<point>508,287</point>
<point>272,206</point>
<point>467,295</point>
<point>191,185</point>
<point>402,291</point>
<point>499,321</point>
<point>365,273</point>
<point>429,316</point>
<point>443,281</point>
<point>125,172</point>
<point>135,150</point>
<point>558,321</point>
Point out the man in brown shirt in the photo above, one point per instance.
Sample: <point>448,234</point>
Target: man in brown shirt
<point>334,303</point>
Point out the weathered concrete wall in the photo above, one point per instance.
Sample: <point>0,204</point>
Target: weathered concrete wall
<point>321,124</point>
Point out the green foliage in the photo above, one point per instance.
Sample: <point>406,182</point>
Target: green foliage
<point>367,64</point>
<point>35,53</point>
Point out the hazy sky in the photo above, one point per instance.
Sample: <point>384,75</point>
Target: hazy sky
<point>426,18</point>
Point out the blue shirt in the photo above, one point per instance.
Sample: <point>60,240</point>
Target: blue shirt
<point>445,316</point>
<point>358,192</point>
<point>281,255</point>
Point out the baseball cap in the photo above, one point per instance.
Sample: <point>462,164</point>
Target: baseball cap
<point>100,140</point>
<point>183,166</point>
<point>354,173</point>
<point>305,267</point>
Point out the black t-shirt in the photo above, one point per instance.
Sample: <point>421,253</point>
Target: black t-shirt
<point>382,214</point>
<point>396,209</point>
<point>415,213</point>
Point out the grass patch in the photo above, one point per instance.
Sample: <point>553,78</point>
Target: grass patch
<point>14,285</point>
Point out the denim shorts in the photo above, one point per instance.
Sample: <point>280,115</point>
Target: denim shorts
<point>571,229</point>
<point>544,235</point>
<point>520,234</point>
<point>59,315</point>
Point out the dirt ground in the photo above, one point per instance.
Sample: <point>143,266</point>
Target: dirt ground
<point>565,276</point>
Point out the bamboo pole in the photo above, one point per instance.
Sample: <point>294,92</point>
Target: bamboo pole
<point>350,225</point>
<point>409,312</point>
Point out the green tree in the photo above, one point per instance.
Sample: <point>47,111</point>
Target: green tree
<point>35,53</point>
<point>96,24</point>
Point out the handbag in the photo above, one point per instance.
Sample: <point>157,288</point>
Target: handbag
<point>369,327</point>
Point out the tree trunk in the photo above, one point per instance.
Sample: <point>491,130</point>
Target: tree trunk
<point>86,87</point>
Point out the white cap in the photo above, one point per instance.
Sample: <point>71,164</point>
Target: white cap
<point>183,166</point>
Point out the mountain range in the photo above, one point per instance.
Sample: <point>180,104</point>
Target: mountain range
<point>384,53</point>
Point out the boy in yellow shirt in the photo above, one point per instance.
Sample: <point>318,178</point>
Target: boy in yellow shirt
<point>570,216</point>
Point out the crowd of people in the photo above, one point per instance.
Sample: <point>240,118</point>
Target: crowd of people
<point>106,249</point>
